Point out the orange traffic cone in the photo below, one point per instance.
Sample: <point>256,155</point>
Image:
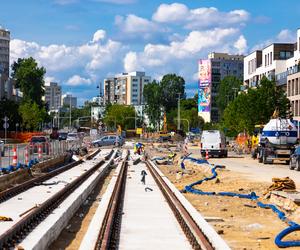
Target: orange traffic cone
<point>206,155</point>
<point>15,157</point>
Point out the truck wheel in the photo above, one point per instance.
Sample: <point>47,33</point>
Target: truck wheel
<point>297,165</point>
<point>260,159</point>
<point>264,159</point>
<point>291,167</point>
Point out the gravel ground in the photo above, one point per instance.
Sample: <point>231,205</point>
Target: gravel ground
<point>239,221</point>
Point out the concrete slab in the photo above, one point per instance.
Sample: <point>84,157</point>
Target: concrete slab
<point>215,239</point>
<point>148,222</point>
<point>25,201</point>
<point>49,229</point>
<point>90,239</point>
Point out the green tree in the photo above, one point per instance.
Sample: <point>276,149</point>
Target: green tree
<point>10,108</point>
<point>32,115</point>
<point>121,114</point>
<point>30,79</point>
<point>153,108</point>
<point>227,91</point>
<point>255,107</point>
<point>171,85</point>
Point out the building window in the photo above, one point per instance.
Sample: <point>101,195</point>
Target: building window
<point>265,60</point>
<point>271,57</point>
<point>297,109</point>
<point>293,87</point>
<point>297,87</point>
<point>289,88</point>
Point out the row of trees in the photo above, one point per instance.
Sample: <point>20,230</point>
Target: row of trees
<point>31,112</point>
<point>163,97</point>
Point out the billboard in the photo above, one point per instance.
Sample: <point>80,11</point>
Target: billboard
<point>204,89</point>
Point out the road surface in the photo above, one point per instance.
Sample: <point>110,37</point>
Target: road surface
<point>253,170</point>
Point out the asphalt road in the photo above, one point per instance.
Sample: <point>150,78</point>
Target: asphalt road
<point>253,170</point>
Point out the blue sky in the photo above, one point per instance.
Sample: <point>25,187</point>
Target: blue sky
<point>80,42</point>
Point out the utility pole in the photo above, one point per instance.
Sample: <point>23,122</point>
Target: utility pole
<point>178,115</point>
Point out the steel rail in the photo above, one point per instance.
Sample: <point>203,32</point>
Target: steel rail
<point>11,192</point>
<point>109,228</point>
<point>18,231</point>
<point>194,234</point>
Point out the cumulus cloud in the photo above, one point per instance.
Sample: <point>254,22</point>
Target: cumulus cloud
<point>77,80</point>
<point>174,12</point>
<point>198,18</point>
<point>284,36</point>
<point>92,58</point>
<point>241,45</point>
<point>99,35</point>
<point>181,57</point>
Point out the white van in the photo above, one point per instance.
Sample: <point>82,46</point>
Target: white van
<point>214,142</point>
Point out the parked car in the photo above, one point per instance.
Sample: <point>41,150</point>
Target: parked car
<point>62,136</point>
<point>295,159</point>
<point>108,141</point>
<point>2,148</point>
<point>35,141</point>
<point>73,137</point>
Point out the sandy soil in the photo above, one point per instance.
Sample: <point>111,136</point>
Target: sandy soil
<point>239,221</point>
<point>71,237</point>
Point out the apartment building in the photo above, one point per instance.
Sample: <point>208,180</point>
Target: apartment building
<point>68,100</point>
<point>5,83</point>
<point>126,88</point>
<point>211,72</point>
<point>281,62</point>
<point>269,62</point>
<point>53,96</point>
<point>292,76</point>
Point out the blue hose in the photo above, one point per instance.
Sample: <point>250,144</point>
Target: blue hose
<point>293,226</point>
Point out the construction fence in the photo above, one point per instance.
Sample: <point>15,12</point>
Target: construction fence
<point>15,154</point>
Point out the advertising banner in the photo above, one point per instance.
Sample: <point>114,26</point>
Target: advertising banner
<point>204,89</point>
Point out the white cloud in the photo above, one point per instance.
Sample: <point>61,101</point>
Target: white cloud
<point>99,35</point>
<point>241,45</point>
<point>130,62</point>
<point>174,12</point>
<point>199,18</point>
<point>56,58</point>
<point>133,23</point>
<point>49,79</point>
<point>181,57</point>
<point>284,36</point>
<point>77,80</point>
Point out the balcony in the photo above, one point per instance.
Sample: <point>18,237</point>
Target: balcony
<point>293,70</point>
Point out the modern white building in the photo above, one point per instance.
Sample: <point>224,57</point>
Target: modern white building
<point>280,62</point>
<point>53,94</point>
<point>126,88</point>
<point>269,62</point>
<point>68,100</point>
